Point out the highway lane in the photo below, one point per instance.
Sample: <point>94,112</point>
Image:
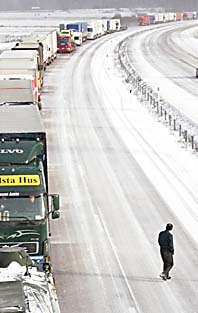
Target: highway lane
<point>166,57</point>
<point>119,185</point>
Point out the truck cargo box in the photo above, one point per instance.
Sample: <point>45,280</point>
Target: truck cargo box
<point>20,68</point>
<point>19,64</point>
<point>15,122</point>
<point>16,54</point>
<point>13,92</point>
<point>34,46</point>
<point>79,27</point>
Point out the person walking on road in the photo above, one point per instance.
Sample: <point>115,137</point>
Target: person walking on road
<point>165,241</point>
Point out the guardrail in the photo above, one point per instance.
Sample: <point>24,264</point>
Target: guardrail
<point>187,129</point>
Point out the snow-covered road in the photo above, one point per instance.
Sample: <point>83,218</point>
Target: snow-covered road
<point>167,59</point>
<point>122,176</point>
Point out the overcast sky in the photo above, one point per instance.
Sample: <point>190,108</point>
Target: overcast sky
<point>69,4</point>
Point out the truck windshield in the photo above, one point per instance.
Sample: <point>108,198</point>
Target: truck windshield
<point>63,41</point>
<point>32,208</point>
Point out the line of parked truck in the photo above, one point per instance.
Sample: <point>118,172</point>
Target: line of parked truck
<point>23,140</point>
<point>158,18</point>
<point>26,206</point>
<point>74,34</point>
<point>22,67</point>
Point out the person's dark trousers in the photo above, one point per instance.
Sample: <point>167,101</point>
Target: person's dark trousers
<point>167,258</point>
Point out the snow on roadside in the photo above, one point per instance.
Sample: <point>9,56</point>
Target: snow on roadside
<point>185,102</point>
<point>171,169</point>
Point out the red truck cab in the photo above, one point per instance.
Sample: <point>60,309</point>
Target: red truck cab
<point>65,43</point>
<point>143,20</point>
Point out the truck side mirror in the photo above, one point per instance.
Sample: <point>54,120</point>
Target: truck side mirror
<point>55,206</point>
<point>55,201</point>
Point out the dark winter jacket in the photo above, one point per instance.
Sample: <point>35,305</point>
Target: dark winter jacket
<point>165,241</point>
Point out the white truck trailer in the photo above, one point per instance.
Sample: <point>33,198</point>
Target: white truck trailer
<point>51,37</point>
<point>96,28</point>
<point>20,64</point>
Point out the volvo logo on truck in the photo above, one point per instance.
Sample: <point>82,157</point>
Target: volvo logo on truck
<point>11,151</point>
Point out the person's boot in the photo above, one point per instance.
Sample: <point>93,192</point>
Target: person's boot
<point>163,276</point>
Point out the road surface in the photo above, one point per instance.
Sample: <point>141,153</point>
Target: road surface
<point>121,176</point>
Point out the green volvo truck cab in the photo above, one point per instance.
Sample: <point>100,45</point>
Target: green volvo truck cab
<point>25,204</point>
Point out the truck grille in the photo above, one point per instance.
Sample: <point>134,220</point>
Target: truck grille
<point>31,247</point>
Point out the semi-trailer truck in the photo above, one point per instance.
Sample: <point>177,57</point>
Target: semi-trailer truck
<point>25,202</point>
<point>95,29</point>
<point>35,46</point>
<point>21,73</point>
<point>92,29</point>
<point>65,42</point>
<point>51,35</point>
<point>80,31</point>
<point>27,60</point>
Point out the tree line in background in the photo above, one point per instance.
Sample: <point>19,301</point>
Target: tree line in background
<point>191,5</point>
